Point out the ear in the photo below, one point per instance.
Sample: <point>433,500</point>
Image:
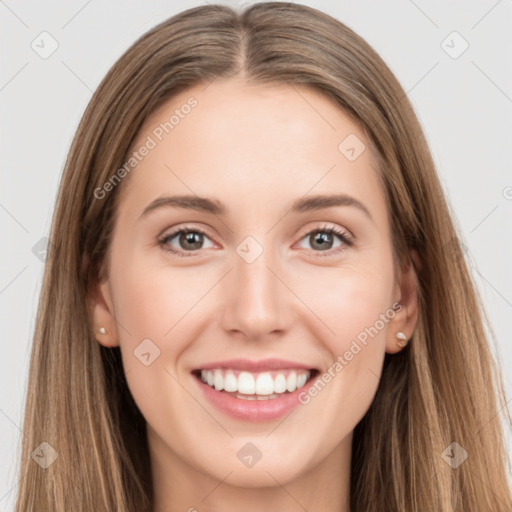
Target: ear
<point>406,295</point>
<point>101,311</point>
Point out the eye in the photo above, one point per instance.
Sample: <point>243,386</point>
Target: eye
<point>323,239</point>
<point>192,239</point>
<point>188,239</point>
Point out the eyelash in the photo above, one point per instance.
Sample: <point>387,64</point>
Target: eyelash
<point>343,236</point>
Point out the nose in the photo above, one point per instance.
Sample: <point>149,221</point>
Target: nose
<point>257,301</point>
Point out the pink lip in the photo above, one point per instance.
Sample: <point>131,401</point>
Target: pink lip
<point>255,366</point>
<point>252,410</point>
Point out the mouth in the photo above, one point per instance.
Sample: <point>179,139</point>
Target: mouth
<point>254,391</point>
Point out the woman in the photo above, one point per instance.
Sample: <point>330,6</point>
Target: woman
<point>320,345</point>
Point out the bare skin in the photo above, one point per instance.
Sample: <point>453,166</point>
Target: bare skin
<point>256,149</point>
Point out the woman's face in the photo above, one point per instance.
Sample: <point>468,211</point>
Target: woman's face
<point>260,295</point>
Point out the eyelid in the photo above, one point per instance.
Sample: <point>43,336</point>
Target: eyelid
<point>338,230</point>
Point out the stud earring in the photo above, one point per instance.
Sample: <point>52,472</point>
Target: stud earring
<point>401,336</point>
<point>102,330</point>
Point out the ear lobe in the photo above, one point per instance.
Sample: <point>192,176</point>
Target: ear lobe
<point>102,314</point>
<point>405,320</point>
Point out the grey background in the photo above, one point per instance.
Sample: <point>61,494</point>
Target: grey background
<point>464,104</point>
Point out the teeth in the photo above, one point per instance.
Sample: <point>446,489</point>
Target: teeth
<point>251,386</point>
<point>246,384</point>
<point>280,383</point>
<point>230,382</point>
<point>301,380</point>
<point>264,384</point>
<point>218,381</point>
<point>291,382</point>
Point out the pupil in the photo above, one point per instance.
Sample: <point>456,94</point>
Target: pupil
<point>322,239</point>
<point>192,238</point>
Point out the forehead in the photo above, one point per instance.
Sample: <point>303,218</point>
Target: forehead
<point>266,141</point>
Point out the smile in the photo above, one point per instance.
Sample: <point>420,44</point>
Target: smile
<point>254,391</point>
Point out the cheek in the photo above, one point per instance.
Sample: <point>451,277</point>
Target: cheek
<point>348,302</point>
<point>153,300</point>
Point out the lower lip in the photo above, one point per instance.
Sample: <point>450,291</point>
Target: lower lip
<point>252,410</point>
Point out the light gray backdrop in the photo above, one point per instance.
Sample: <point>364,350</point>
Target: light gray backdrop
<point>454,59</point>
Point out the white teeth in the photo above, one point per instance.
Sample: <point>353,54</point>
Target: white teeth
<point>280,383</point>
<point>291,382</point>
<point>257,397</point>
<point>260,386</point>
<point>301,380</point>
<point>264,384</point>
<point>246,384</point>
<point>230,382</point>
<point>218,381</point>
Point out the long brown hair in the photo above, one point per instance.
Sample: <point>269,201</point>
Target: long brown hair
<point>443,388</point>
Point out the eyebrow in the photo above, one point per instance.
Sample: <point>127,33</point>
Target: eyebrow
<point>215,207</point>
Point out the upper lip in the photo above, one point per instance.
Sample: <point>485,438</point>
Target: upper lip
<point>255,366</point>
